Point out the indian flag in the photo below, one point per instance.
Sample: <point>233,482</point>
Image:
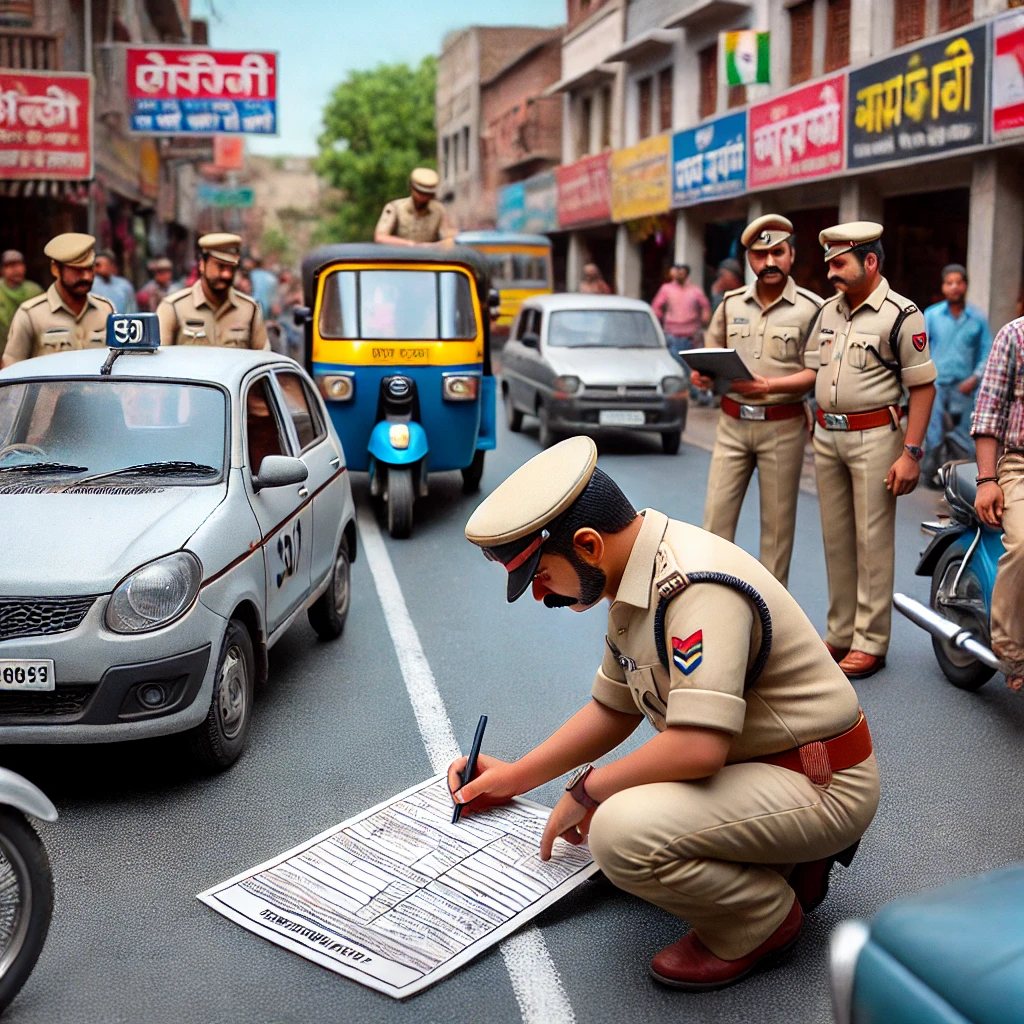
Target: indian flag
<point>746,57</point>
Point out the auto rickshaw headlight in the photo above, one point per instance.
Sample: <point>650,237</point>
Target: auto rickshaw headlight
<point>336,387</point>
<point>398,435</point>
<point>673,385</point>
<point>155,594</point>
<point>460,387</point>
<point>566,385</point>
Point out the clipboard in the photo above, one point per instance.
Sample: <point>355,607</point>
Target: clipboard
<point>723,364</point>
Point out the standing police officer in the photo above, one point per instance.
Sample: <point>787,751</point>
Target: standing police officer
<point>66,316</point>
<point>418,219</point>
<point>871,343</point>
<point>763,422</point>
<point>213,311</point>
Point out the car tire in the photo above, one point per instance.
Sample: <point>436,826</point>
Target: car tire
<point>29,868</point>
<point>513,416</point>
<point>670,442</point>
<point>547,435</point>
<point>957,666</point>
<point>473,473</point>
<point>328,613</point>
<point>400,500</point>
<point>218,742</point>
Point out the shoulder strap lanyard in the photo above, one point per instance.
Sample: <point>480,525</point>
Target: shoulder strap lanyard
<point>894,365</point>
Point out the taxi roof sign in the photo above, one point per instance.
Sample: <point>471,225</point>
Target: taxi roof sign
<point>138,332</point>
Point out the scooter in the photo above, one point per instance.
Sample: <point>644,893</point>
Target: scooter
<point>961,560</point>
<point>26,882</point>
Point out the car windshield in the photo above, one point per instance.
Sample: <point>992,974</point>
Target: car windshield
<point>602,328</point>
<point>394,305</point>
<point>82,429</point>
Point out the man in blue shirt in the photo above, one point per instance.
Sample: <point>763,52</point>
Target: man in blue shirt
<point>108,283</point>
<point>960,340</point>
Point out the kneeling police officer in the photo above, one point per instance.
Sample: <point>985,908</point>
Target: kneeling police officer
<point>762,758</point>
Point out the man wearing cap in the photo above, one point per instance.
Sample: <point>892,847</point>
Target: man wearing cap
<point>156,289</point>
<point>14,290</point>
<point>761,774</point>
<point>763,423</point>
<point>213,311</point>
<point>66,316</point>
<point>870,344</point>
<point>418,219</point>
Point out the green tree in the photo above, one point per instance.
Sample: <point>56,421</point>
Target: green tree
<point>378,126</point>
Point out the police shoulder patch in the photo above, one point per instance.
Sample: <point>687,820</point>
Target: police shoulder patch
<point>920,340</point>
<point>687,654</point>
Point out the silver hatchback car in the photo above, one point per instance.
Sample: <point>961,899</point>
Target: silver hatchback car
<point>164,524</point>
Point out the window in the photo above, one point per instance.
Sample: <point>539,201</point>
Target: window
<point>444,159</point>
<point>606,118</point>
<point>737,96</point>
<point>708,58</point>
<point>263,434</point>
<point>304,415</point>
<point>801,41</point>
<point>837,35</point>
<point>591,328</point>
<point>17,13</point>
<point>954,13</point>
<point>643,99</point>
<point>512,270</point>
<point>465,148</point>
<point>583,140</point>
<point>455,154</point>
<point>665,99</point>
<point>909,21</point>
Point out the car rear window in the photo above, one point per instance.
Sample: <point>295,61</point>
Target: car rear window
<point>602,328</point>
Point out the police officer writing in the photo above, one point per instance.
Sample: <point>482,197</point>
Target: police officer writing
<point>66,316</point>
<point>764,422</point>
<point>870,343</point>
<point>762,759</point>
<point>418,219</point>
<point>213,311</point>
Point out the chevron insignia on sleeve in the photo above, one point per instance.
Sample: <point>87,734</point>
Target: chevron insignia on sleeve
<point>687,654</point>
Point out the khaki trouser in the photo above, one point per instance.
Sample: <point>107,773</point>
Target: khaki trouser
<point>777,450</point>
<point>1008,592</point>
<point>858,520</point>
<point>715,852</point>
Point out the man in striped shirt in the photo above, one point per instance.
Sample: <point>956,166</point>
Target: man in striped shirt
<point>999,424</point>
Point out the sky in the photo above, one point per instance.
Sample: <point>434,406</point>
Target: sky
<point>320,41</point>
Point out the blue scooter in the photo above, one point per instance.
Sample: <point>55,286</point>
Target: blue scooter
<point>961,560</point>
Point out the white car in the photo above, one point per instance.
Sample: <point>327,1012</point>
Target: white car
<point>163,525</point>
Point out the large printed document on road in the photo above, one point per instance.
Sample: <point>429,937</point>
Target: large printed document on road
<point>398,897</point>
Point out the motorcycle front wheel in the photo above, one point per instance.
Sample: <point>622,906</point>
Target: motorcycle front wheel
<point>26,901</point>
<point>967,608</point>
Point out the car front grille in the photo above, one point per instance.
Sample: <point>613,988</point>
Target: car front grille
<point>38,616</point>
<point>619,393</point>
<point>60,703</point>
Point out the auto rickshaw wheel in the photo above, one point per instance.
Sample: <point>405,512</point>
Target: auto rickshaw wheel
<point>472,474</point>
<point>400,497</point>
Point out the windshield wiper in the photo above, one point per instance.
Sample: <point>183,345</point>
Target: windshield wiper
<point>170,468</point>
<point>44,467</point>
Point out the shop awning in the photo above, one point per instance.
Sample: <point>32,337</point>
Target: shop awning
<point>650,45</point>
<point>586,79</point>
<point>707,14</point>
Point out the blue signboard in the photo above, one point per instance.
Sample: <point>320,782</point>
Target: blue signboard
<point>512,207</point>
<point>710,161</point>
<point>540,204</point>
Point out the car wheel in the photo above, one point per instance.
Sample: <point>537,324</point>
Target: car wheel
<point>473,473</point>
<point>513,416</point>
<point>547,435</point>
<point>220,739</point>
<point>670,442</point>
<point>400,499</point>
<point>328,613</point>
<point>958,666</point>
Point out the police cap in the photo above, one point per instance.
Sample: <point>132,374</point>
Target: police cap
<point>72,249</point>
<point>223,246</point>
<point>424,180</point>
<point>766,232</point>
<point>510,522</point>
<point>844,237</point>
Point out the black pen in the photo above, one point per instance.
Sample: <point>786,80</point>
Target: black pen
<point>474,752</point>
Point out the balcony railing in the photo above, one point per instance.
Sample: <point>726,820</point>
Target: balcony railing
<point>25,50</point>
<point>531,130</point>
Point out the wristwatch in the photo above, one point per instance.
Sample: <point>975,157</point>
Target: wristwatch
<point>575,786</point>
<point>914,451</point>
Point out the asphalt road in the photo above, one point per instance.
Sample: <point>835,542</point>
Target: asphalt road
<point>140,833</point>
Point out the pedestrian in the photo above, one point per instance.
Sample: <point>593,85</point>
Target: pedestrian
<point>213,311</point>
<point>68,315</point>
<point>999,424</point>
<point>418,218</point>
<point>870,345</point>
<point>683,309</point>
<point>157,288</point>
<point>108,283</point>
<point>960,339</point>
<point>763,422</point>
<point>761,774</point>
<point>728,277</point>
<point>264,285</point>
<point>14,290</point>
<point>593,282</point>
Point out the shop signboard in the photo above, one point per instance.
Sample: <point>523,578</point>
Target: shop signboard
<point>584,191</point>
<point>920,103</point>
<point>710,161</point>
<point>798,135</point>
<point>182,91</point>
<point>641,179</point>
<point>1007,77</point>
<point>46,126</point>
<point>540,204</point>
<point>511,207</point>
<point>222,196</point>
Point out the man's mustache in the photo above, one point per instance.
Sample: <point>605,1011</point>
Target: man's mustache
<point>768,271</point>
<point>558,601</point>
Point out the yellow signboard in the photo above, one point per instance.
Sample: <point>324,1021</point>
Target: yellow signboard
<point>641,179</point>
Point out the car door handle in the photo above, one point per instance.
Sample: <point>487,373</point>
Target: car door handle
<point>303,492</point>
<point>336,461</point>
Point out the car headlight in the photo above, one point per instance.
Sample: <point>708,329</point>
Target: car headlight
<point>336,387</point>
<point>460,387</point>
<point>398,435</point>
<point>673,385</point>
<point>155,594</point>
<point>566,385</point>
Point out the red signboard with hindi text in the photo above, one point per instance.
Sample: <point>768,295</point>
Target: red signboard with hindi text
<point>584,191</point>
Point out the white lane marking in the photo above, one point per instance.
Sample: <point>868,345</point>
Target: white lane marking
<point>535,981</point>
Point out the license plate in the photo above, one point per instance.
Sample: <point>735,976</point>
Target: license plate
<point>19,674</point>
<point>621,418</point>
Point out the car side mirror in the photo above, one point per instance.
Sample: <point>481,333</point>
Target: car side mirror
<point>279,471</point>
<point>531,340</point>
<point>301,315</point>
<point>494,298</point>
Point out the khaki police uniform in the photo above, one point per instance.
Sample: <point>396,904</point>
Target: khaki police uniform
<point>45,324</point>
<point>771,340</point>
<point>401,218</point>
<point>858,512</point>
<point>186,318</point>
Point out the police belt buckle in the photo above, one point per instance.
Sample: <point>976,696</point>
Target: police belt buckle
<point>753,412</point>
<point>836,421</point>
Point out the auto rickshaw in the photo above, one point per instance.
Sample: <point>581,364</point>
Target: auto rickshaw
<point>398,342</point>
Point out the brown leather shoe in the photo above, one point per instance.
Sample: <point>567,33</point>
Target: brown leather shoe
<point>837,653</point>
<point>810,881</point>
<point>689,964</point>
<point>858,665</point>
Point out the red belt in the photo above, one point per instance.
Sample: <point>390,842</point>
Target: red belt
<point>887,417</point>
<point>818,760</point>
<point>784,411</point>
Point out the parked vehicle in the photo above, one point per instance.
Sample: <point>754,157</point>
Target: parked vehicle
<point>961,560</point>
<point>590,363</point>
<point>165,523</point>
<point>399,345</point>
